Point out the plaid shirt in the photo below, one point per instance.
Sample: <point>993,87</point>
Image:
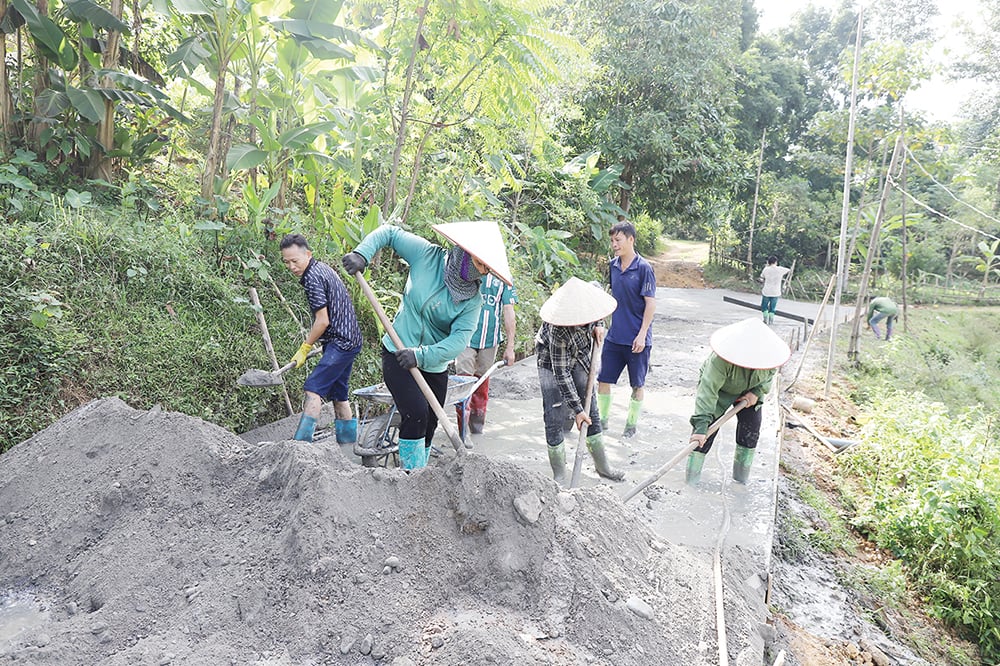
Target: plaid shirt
<point>559,349</point>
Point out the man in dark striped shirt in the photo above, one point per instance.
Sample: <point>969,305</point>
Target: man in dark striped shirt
<point>335,326</point>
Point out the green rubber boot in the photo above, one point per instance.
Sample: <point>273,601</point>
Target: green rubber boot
<point>741,463</point>
<point>595,444</point>
<point>412,453</point>
<point>604,408</point>
<point>557,458</point>
<point>692,475</point>
<point>632,418</point>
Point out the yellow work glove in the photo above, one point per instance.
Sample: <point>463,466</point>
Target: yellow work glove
<point>300,355</point>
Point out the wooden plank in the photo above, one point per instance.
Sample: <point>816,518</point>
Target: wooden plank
<point>756,306</point>
<point>808,426</point>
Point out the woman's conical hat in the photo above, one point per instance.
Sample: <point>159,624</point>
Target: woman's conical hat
<point>483,241</point>
<point>576,303</point>
<point>750,344</point>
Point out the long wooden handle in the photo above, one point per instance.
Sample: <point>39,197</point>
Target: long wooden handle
<point>684,452</point>
<point>432,400</point>
<point>595,354</point>
<point>268,347</point>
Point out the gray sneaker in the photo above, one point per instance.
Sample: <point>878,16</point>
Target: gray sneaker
<point>628,432</point>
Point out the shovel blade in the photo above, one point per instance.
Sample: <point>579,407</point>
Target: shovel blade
<point>259,378</point>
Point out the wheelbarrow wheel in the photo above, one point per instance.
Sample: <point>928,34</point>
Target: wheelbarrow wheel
<point>378,440</point>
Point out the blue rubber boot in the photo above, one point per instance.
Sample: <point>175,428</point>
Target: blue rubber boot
<point>307,426</point>
<point>346,430</point>
<point>412,453</point>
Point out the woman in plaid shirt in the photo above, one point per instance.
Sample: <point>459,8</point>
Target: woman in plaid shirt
<point>574,324</point>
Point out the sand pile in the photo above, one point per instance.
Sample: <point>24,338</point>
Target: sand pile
<point>157,538</point>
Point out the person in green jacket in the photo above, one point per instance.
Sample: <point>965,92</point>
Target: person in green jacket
<point>436,319</point>
<point>881,308</point>
<point>745,357</point>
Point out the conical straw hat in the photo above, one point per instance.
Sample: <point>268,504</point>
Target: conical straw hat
<point>750,344</point>
<point>482,240</point>
<point>577,303</point>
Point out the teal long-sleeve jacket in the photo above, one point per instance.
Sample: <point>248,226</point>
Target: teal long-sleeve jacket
<point>720,384</point>
<point>428,321</point>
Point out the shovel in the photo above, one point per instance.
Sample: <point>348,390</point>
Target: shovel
<point>270,378</point>
<point>595,356</point>
<point>684,453</point>
<point>432,400</point>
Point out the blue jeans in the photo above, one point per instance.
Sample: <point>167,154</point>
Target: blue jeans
<point>555,410</point>
<point>889,320</point>
<point>768,304</point>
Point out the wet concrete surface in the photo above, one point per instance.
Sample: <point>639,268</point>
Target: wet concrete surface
<point>717,510</point>
<point>685,319</point>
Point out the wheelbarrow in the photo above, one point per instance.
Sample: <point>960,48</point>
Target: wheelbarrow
<point>378,437</point>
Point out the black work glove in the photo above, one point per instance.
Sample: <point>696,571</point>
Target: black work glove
<point>354,263</point>
<point>407,358</point>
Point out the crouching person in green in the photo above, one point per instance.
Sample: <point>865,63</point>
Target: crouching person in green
<point>335,326</point>
<point>745,357</point>
<point>573,323</point>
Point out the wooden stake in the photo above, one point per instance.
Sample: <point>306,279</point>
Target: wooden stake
<point>267,344</point>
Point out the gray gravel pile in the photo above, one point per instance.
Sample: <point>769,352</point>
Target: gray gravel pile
<point>149,537</point>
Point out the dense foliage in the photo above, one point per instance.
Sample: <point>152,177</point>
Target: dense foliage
<point>929,465</point>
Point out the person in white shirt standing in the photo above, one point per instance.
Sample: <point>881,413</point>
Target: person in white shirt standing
<point>772,275</point>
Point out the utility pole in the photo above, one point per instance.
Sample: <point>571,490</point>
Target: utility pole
<point>852,352</point>
<point>845,206</point>
<point>902,198</point>
<point>753,212</point>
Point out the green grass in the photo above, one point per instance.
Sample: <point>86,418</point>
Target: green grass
<point>96,304</point>
<point>927,477</point>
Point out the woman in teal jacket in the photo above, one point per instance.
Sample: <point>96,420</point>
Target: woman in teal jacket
<point>436,319</point>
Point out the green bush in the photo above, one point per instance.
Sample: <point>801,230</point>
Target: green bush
<point>931,495</point>
<point>647,234</point>
<point>98,305</point>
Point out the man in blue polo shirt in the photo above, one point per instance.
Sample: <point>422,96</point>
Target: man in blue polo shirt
<point>335,325</point>
<point>628,342</point>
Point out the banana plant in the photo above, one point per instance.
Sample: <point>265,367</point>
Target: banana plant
<point>989,262</point>
<point>86,79</point>
<point>215,36</point>
<point>296,114</point>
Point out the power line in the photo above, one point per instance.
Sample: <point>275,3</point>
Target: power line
<point>940,214</point>
<point>950,193</point>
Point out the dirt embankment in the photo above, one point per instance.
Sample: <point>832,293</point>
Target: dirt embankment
<point>157,538</point>
<point>680,265</point>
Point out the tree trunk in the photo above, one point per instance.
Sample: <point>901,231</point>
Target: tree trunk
<point>753,211</point>
<point>101,165</point>
<point>215,133</point>
<point>625,199</point>
<point>852,352</point>
<point>6,108</point>
<point>404,110</point>
<point>41,85</point>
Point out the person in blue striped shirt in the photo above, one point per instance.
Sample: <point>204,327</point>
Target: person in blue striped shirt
<point>335,326</point>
